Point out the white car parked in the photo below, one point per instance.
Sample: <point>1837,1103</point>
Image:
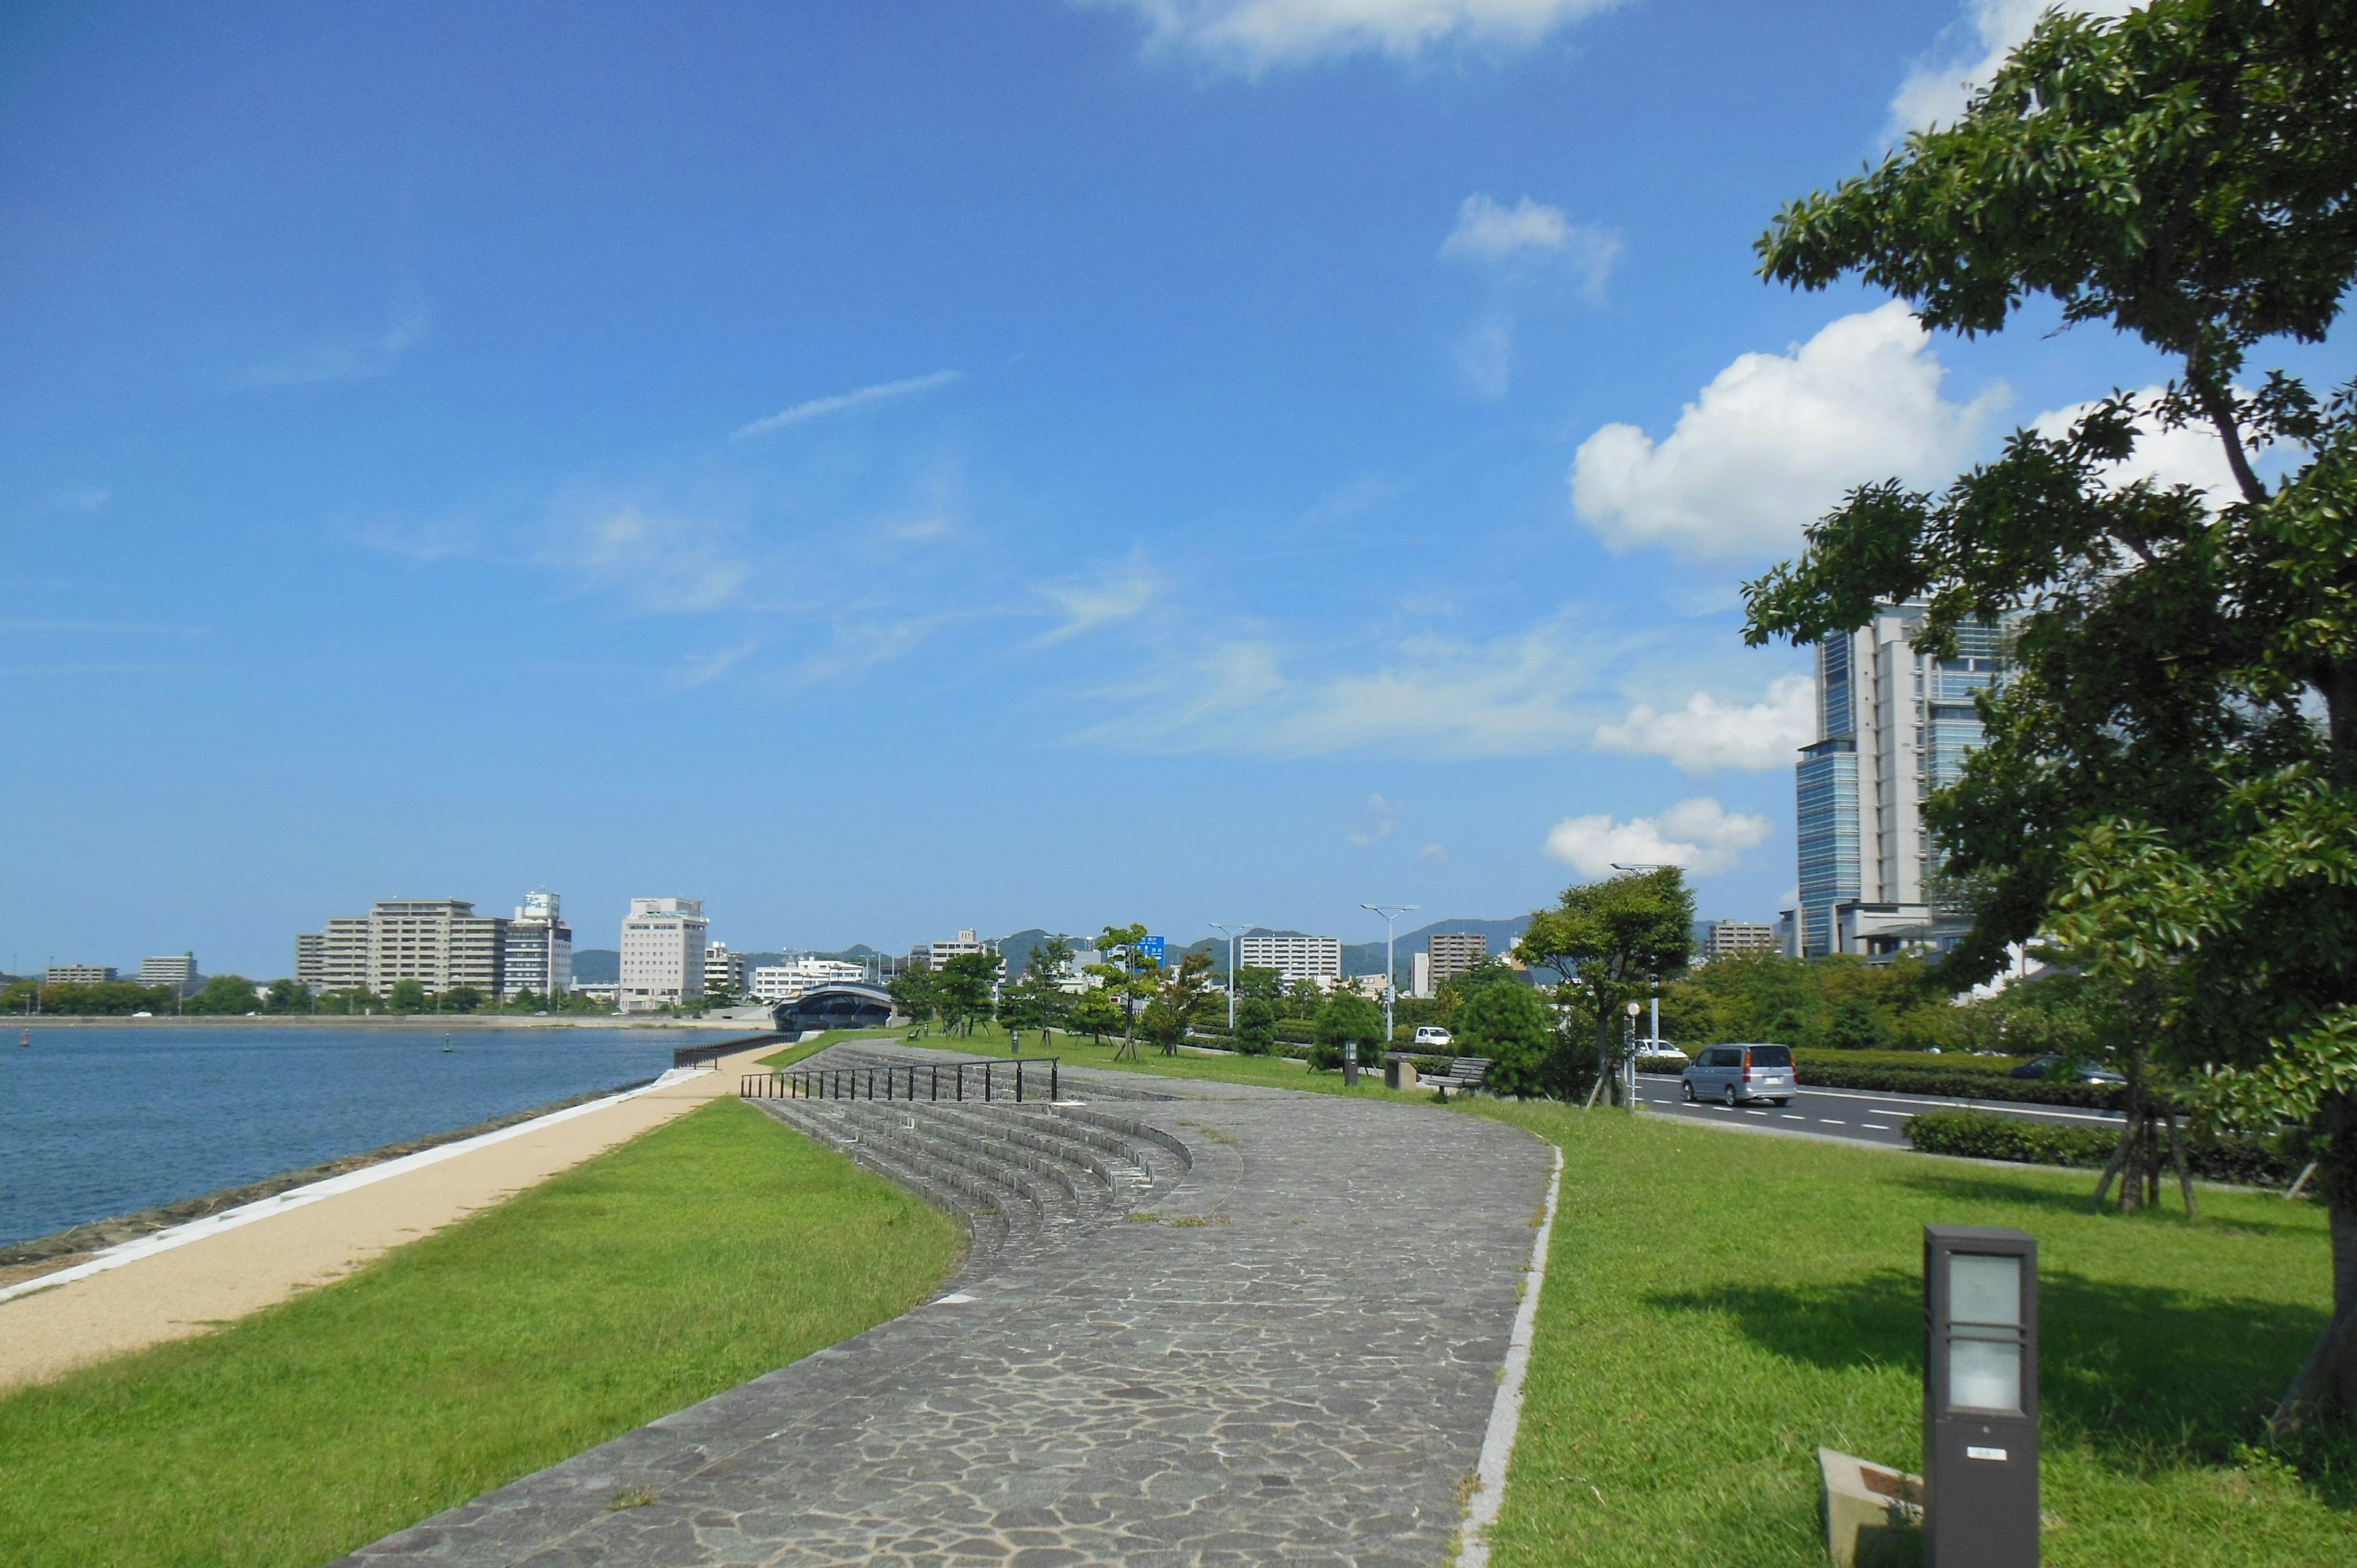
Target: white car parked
<point>1434,1035</point>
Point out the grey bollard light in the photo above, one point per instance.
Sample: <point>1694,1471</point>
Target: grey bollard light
<point>1350,1064</point>
<point>1980,1398</point>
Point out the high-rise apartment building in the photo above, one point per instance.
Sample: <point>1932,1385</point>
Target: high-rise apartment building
<point>1455,953</point>
<point>78,974</point>
<point>441,943</point>
<point>662,954</point>
<point>539,948</point>
<point>1294,958</point>
<point>722,967</point>
<point>1893,724</point>
<point>178,971</point>
<point>784,981</point>
<point>1724,939</point>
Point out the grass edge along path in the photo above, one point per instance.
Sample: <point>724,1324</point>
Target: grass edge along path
<point>703,1254</point>
<point>1717,1307</point>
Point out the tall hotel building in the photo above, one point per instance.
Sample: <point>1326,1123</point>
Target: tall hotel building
<point>1893,724</point>
<point>441,943</point>
<point>539,948</point>
<point>662,954</point>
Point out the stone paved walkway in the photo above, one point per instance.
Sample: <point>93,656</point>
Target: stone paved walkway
<point>1286,1354</point>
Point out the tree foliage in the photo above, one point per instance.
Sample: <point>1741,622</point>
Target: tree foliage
<point>1179,1003</point>
<point>1510,1025</point>
<point>1616,938</point>
<point>1347,1016</point>
<point>2169,773</point>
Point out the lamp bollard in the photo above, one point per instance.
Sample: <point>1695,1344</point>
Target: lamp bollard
<point>1350,1064</point>
<point>1980,1398</point>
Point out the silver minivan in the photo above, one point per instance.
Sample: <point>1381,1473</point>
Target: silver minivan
<point>1738,1073</point>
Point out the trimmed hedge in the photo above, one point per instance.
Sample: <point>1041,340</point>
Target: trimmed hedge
<point>1977,1134</point>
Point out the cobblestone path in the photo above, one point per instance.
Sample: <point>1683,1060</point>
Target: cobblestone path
<point>1269,1333</point>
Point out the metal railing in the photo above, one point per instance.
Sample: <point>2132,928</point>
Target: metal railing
<point>705,1055</point>
<point>986,1079</point>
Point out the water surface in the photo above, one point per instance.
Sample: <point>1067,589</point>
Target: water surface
<point>95,1121</point>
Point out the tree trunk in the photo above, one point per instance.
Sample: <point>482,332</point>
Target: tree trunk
<point>2326,1385</point>
<point>2177,1154</point>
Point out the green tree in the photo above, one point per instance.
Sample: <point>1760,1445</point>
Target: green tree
<point>229,994</point>
<point>1129,974</point>
<point>1037,1000</point>
<point>720,994</point>
<point>967,981</point>
<point>1178,1003</point>
<point>915,995</point>
<point>1347,1016</point>
<point>1616,938</point>
<point>1267,984</point>
<point>1096,1014</point>
<point>1509,1025</point>
<point>406,996</point>
<point>286,995</point>
<point>1255,1026</point>
<point>2184,173</point>
<point>22,996</point>
<point>458,999</point>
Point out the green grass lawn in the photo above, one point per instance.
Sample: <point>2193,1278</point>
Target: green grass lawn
<point>1716,1305</point>
<point>1079,1050</point>
<point>686,1262</point>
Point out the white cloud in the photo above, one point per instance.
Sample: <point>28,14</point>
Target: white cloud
<point>819,407</point>
<point>1090,603</point>
<point>1491,231</point>
<point>1378,821</point>
<point>1942,80</point>
<point>1699,835</point>
<point>2189,455</point>
<point>82,498</point>
<point>1254,35</point>
<point>1526,252</point>
<point>351,359</point>
<point>1523,694</point>
<point>702,668</point>
<point>1436,853</point>
<point>1707,734</point>
<point>1775,439</point>
<point>665,563</point>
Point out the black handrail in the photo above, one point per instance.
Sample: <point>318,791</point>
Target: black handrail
<point>909,1080</point>
<point>698,1056</point>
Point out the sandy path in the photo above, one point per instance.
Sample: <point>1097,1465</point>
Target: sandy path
<point>177,1294</point>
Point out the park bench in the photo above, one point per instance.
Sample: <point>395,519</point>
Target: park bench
<point>1465,1074</point>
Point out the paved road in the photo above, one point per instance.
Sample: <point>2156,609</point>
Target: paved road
<point>1854,1114</point>
<point>1295,1365</point>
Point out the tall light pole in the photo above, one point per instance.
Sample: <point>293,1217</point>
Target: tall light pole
<point>1232,933</point>
<point>1389,912</point>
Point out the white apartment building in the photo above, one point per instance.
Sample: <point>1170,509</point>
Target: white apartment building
<point>441,943</point>
<point>933,955</point>
<point>1294,958</point>
<point>723,967</point>
<point>539,948</point>
<point>1724,939</point>
<point>662,954</point>
<point>78,974</point>
<point>178,971</point>
<point>1419,983</point>
<point>785,982</point>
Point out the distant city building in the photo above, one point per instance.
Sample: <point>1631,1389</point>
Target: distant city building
<point>933,955</point>
<point>1296,957</point>
<point>785,982</point>
<point>178,971</point>
<point>599,992</point>
<point>539,948</point>
<point>1893,724</point>
<point>441,943</point>
<point>78,974</point>
<point>1724,939</point>
<point>662,954</point>
<point>1420,974</point>
<point>1455,953</point>
<point>722,967</point>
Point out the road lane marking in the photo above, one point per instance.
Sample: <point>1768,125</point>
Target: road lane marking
<point>1789,1117</point>
<point>1833,1122</point>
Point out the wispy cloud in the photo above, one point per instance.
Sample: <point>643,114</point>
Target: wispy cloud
<point>1089,603</point>
<point>1378,821</point>
<point>663,562</point>
<point>819,407</point>
<point>1528,257</point>
<point>343,359</point>
<point>1252,35</point>
<point>79,498</point>
<point>17,628</point>
<point>1707,734</point>
<point>703,668</point>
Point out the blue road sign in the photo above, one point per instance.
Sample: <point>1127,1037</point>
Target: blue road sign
<point>1151,948</point>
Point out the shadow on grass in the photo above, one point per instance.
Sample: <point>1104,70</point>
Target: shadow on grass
<point>2141,1376</point>
<point>1992,1190</point>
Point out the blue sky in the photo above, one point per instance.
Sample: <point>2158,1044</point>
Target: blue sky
<point>903,467</point>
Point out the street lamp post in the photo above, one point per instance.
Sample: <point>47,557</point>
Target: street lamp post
<point>1389,912</point>
<point>1232,933</point>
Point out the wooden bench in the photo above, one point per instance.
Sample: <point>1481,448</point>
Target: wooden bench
<point>1464,1075</point>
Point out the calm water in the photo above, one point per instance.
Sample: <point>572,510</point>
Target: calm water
<point>99,1121</point>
